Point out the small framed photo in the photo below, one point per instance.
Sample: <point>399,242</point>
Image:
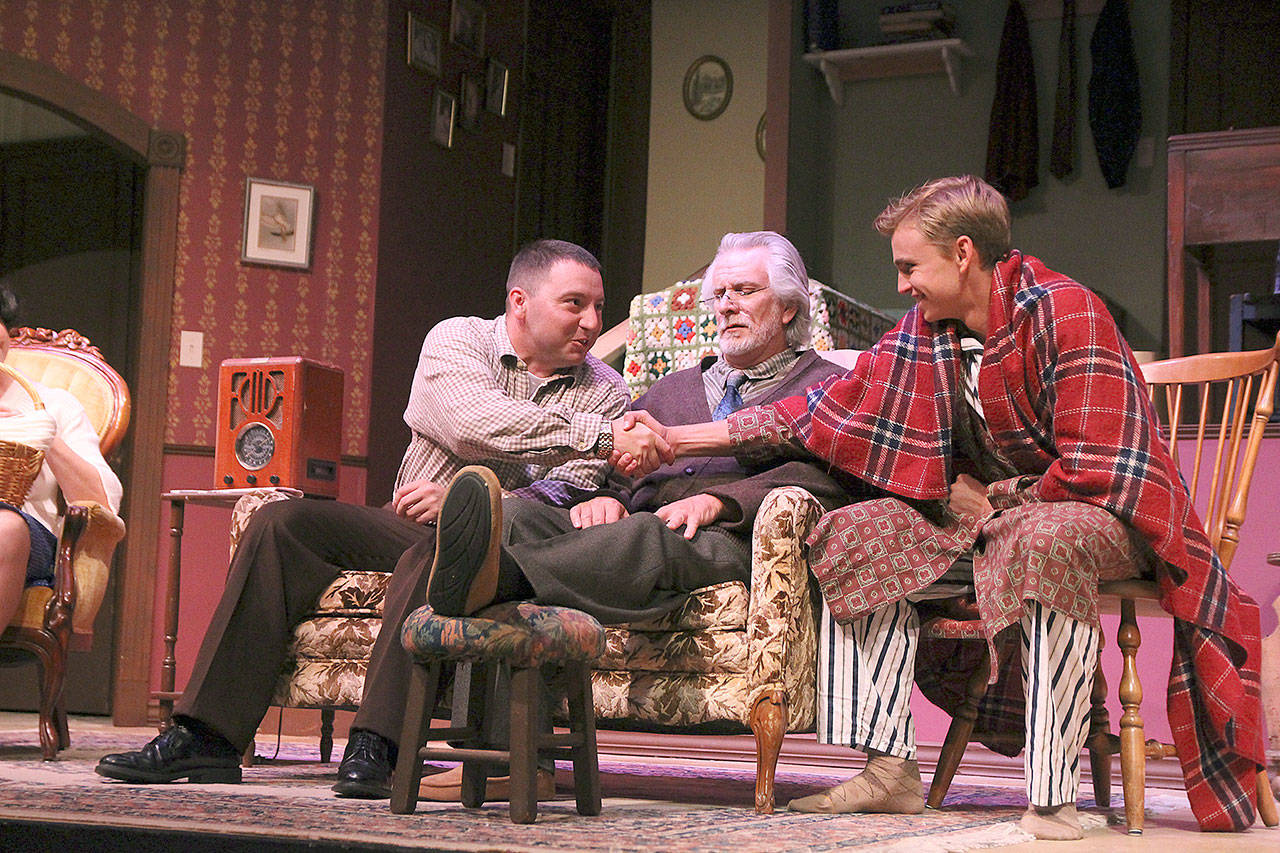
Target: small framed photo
<point>708,86</point>
<point>425,45</point>
<point>278,220</point>
<point>442,117</point>
<point>495,88</point>
<point>471,102</point>
<point>466,26</point>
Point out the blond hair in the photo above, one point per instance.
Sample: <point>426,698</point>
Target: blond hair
<point>947,208</point>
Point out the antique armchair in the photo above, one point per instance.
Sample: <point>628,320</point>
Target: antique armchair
<point>51,622</point>
<point>1214,408</point>
<point>329,651</point>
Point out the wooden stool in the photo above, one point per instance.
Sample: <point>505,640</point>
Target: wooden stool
<point>524,637</point>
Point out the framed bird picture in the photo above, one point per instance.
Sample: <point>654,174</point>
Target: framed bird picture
<point>278,219</point>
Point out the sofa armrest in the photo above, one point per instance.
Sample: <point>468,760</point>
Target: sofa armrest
<point>90,534</point>
<point>781,639</point>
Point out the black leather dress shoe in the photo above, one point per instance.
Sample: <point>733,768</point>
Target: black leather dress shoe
<point>365,771</point>
<point>177,753</point>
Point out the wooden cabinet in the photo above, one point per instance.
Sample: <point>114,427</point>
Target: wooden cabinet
<point>1223,188</point>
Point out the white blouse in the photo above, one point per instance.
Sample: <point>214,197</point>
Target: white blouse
<point>78,433</point>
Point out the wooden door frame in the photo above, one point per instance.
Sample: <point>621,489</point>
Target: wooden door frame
<point>161,154</point>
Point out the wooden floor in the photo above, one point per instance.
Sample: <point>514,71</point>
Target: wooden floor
<point>1166,832</point>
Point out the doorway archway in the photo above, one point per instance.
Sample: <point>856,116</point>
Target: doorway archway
<point>161,154</point>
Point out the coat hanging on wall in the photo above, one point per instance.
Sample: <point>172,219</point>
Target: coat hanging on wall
<point>1013,145</point>
<point>1115,102</point>
<point>1062,157</point>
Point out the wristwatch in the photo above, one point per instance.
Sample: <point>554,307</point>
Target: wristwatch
<point>604,444</point>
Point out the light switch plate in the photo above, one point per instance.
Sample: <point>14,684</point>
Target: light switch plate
<point>191,349</point>
<point>508,159</point>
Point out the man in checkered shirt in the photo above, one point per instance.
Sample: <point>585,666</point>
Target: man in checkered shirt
<point>520,394</point>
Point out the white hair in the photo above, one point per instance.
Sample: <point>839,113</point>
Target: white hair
<point>788,278</point>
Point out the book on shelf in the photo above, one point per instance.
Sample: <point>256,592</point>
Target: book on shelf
<point>907,38</point>
<point>920,6</point>
<point>936,29</point>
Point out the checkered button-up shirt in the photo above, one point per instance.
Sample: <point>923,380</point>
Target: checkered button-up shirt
<point>474,401</point>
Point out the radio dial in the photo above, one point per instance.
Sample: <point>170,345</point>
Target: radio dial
<point>255,445</point>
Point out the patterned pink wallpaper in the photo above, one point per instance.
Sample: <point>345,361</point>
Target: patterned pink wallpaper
<point>289,90</point>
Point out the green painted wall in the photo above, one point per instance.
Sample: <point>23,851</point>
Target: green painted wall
<point>893,134</point>
<point>705,177</point>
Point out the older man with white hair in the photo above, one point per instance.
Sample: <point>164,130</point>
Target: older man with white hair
<point>688,525</point>
<point>635,552</point>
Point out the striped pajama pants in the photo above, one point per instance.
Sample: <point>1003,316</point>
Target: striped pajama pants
<point>866,670</point>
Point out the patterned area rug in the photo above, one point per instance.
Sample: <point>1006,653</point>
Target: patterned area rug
<point>669,808</point>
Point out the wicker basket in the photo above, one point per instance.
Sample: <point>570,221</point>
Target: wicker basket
<point>19,463</point>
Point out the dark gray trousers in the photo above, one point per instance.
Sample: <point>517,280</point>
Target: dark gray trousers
<point>290,551</point>
<point>633,569</point>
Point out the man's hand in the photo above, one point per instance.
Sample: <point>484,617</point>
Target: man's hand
<point>969,496</point>
<point>602,510</point>
<point>693,512</point>
<point>418,501</point>
<point>640,416</point>
<point>637,448</point>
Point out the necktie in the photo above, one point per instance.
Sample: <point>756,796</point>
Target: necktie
<point>732,400</point>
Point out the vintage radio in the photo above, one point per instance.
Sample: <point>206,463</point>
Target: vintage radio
<point>279,424</point>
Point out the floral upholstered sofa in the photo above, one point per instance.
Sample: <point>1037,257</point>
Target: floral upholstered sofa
<point>732,657</point>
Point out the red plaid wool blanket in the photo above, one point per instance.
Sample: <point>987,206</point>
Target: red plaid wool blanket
<point>1064,401</point>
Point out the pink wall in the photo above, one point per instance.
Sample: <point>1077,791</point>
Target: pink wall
<point>290,90</point>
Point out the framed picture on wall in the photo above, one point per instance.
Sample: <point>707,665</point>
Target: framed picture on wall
<point>278,223</point>
<point>466,26</point>
<point>426,44</point>
<point>443,113</point>
<point>708,86</point>
<point>495,88</point>
<point>472,96</point>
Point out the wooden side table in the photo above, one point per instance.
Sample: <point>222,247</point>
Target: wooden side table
<point>178,500</point>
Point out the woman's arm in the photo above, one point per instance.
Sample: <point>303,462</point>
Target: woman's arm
<point>74,458</point>
<point>78,478</point>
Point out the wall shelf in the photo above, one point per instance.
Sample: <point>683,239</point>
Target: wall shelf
<point>890,60</point>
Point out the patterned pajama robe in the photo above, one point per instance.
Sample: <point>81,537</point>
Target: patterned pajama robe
<point>1066,408</point>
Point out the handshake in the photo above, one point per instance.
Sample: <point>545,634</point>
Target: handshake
<point>640,444</point>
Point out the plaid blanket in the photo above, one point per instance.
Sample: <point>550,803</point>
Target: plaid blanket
<point>1065,402</point>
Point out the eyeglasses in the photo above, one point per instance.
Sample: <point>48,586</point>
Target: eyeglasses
<point>735,294</point>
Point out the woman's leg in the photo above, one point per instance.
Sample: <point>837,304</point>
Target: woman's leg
<point>15,549</point>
